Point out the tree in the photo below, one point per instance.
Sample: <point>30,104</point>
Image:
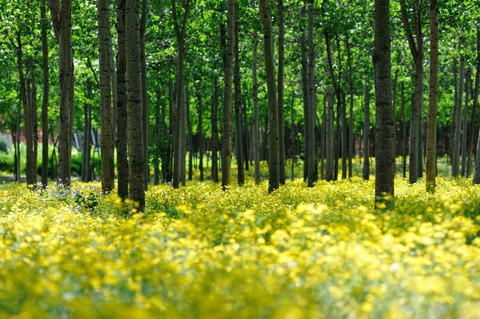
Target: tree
<point>415,42</point>
<point>385,114</point>
<point>46,92</point>
<point>432,104</point>
<point>136,155</point>
<point>121,107</point>
<point>61,12</point>
<point>227,149</point>
<point>107,139</point>
<point>273,136</point>
<point>180,27</point>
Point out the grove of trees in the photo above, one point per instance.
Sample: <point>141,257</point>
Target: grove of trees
<point>154,89</point>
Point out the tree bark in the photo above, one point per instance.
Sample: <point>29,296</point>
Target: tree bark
<point>384,112</point>
<point>366,135</point>
<point>227,149</point>
<point>256,115</point>
<point>145,100</point>
<point>134,107</point>
<point>201,143</point>
<point>61,13</point>
<point>416,49</point>
<point>238,103</point>
<point>432,103</point>
<point>121,140</point>
<point>280,87</point>
<point>458,121</point>
<point>45,97</point>
<point>312,109</point>
<point>273,137</point>
<point>107,138</point>
<point>215,132</point>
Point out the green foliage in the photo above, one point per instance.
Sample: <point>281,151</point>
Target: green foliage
<point>6,162</point>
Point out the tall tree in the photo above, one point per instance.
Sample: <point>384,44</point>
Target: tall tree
<point>432,103</point>
<point>46,93</point>
<point>180,26</point>
<point>280,87</point>
<point>107,138</point>
<point>256,113</point>
<point>136,155</point>
<point>273,136</point>
<point>385,114</point>
<point>121,107</point>
<point>227,149</point>
<point>415,42</point>
<point>238,102</point>
<point>61,13</point>
<point>311,118</point>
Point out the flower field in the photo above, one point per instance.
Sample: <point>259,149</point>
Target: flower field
<point>199,252</point>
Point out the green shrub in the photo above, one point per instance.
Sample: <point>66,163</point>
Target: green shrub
<point>3,144</point>
<point>6,162</point>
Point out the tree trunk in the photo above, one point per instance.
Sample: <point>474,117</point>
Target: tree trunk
<point>458,121</point>
<point>87,140</point>
<point>384,112</point>
<point>158,130</point>
<point>105,96</point>
<point>145,101</point>
<point>215,132</point>
<point>256,115</point>
<point>121,140</point>
<point>465,124</point>
<point>273,138</point>
<point>366,135</point>
<point>476,177</point>
<point>432,102</point>
<point>61,16</point>
<point>227,149</point>
<point>329,139</point>
<point>305,95</point>
<point>238,103</point>
<point>404,133</point>
<point>312,109</point>
<point>280,87</point>
<point>190,136</point>
<point>45,97</point>
<point>351,146</point>
<point>200,134</point>
<point>134,107</point>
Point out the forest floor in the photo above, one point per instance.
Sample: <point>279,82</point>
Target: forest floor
<point>199,252</point>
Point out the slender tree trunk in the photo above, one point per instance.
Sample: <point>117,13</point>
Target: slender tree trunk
<point>135,138</point>
<point>200,134</point>
<point>305,95</point>
<point>404,134</point>
<point>227,149</point>
<point>351,146</point>
<point>384,112</point>
<point>458,121</point>
<point>329,139</point>
<point>158,130</point>
<point>215,132</point>
<point>476,177</point>
<point>121,106</point>
<point>366,135</point>
<point>312,110</point>
<point>238,103</point>
<point>432,103</point>
<point>280,87</point>
<point>105,97</point>
<point>87,139</point>
<point>145,100</point>
<point>465,124</point>
<point>190,137</point>
<point>256,115</point>
<point>45,97</point>
<point>273,138</point>
<point>61,12</point>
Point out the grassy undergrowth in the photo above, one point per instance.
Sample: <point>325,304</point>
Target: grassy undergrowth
<point>199,252</point>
